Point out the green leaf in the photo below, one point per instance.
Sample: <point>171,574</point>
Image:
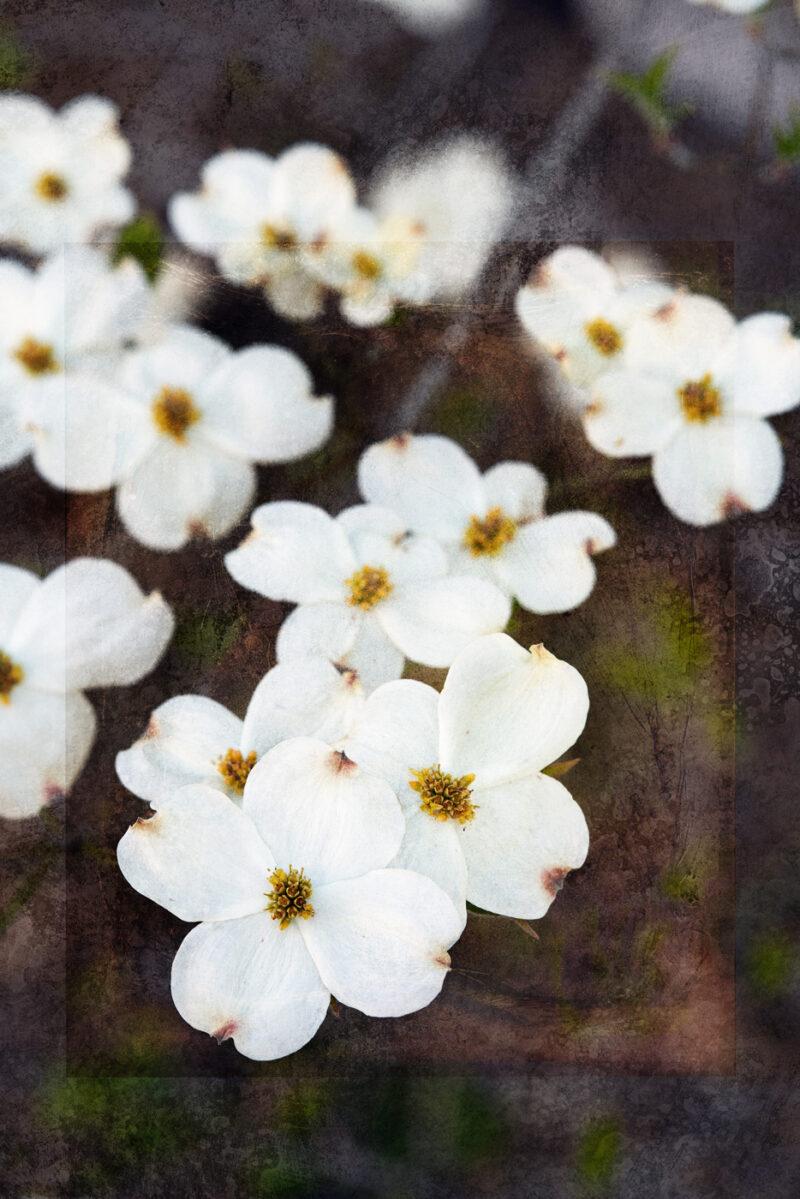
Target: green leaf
<point>647,93</point>
<point>144,241</point>
<point>558,769</point>
<point>770,965</point>
<point>786,138</point>
<point>16,64</point>
<point>598,1153</point>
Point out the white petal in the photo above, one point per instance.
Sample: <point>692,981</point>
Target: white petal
<point>184,490</point>
<point>433,848</point>
<point>86,437</point>
<point>295,295</point>
<point>681,341</point>
<point>305,698</point>
<point>343,635</point>
<point>380,941</point>
<point>89,624</point>
<point>432,622</point>
<point>295,552</point>
<point>759,368</point>
<point>45,739</point>
<point>516,487</point>
<point>711,471</point>
<point>235,189</point>
<point>15,441</point>
<point>505,711</point>
<point>312,185</point>
<point>199,857</point>
<point>182,744</point>
<point>17,586</point>
<point>548,565</point>
<point>525,837</point>
<point>397,732</point>
<point>319,811</point>
<point>631,414</point>
<point>429,481</point>
<point>250,980</point>
<point>578,271</point>
<point>260,406</point>
<point>185,358</point>
<point>378,537</point>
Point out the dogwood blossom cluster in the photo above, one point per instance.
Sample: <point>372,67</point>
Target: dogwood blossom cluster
<point>86,625</point>
<point>340,862</point>
<point>671,375</point>
<point>292,225</point>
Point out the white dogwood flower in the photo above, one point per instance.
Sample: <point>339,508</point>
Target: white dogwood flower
<point>481,819</point>
<point>60,172</point>
<point>187,419</point>
<point>193,739</point>
<point>734,6</point>
<point>692,391</point>
<point>294,899</point>
<point>432,16</point>
<point>491,525</point>
<point>576,307</point>
<point>260,219</point>
<point>369,594</point>
<point>62,330</point>
<point>87,624</point>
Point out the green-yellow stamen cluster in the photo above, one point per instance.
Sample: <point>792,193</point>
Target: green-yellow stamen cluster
<point>51,186</point>
<point>368,587</point>
<point>700,401</point>
<point>235,767</point>
<point>174,412</point>
<point>489,535</point>
<point>444,797</point>
<point>274,238</point>
<point>366,265</point>
<point>36,357</point>
<point>289,896</point>
<point>604,337</point>
<point>10,675</point>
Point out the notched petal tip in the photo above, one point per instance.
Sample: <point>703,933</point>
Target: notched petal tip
<point>196,529</point>
<point>340,762</point>
<point>53,793</point>
<point>225,1031</point>
<point>146,824</point>
<point>553,879</point>
<point>152,730</point>
<point>733,506</point>
<point>540,655</point>
<point>400,441</point>
<point>442,958</point>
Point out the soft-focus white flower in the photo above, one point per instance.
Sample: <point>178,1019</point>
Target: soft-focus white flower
<point>432,16</point>
<point>294,900</point>
<point>491,525</point>
<point>481,820</point>
<point>369,594</point>
<point>185,422</point>
<point>193,739</point>
<point>86,625</point>
<point>60,172</point>
<point>62,331</point>
<point>734,6</point>
<point>691,390</point>
<point>260,219</point>
<point>576,307</point>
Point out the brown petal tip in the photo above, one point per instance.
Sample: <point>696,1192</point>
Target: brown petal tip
<point>225,1032</point>
<point>553,879</point>
<point>341,762</point>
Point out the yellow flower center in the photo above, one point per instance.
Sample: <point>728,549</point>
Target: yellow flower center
<point>275,238</point>
<point>368,587</point>
<point>51,187</point>
<point>366,265</point>
<point>700,401</point>
<point>235,767</point>
<point>36,357</point>
<point>444,797</point>
<point>488,536</point>
<point>604,337</point>
<point>174,412</point>
<point>289,896</point>
<point>10,675</point>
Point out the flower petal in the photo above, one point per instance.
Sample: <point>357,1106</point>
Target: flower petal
<point>431,622</point>
<point>548,565</point>
<point>397,732</point>
<point>199,857</point>
<point>378,537</point>
<point>429,481</point>
<point>295,552</point>
<point>631,415</point>
<point>516,487</point>
<point>343,635</point>
<point>433,848</point>
<point>318,811</point>
<point>260,405</point>
<point>681,341</point>
<point>305,698</point>
<point>505,711</point>
<point>250,980</point>
<point>45,739</point>
<point>17,586</point>
<point>711,471</point>
<point>759,368</point>
<point>525,837</point>
<point>182,744</point>
<point>89,624</point>
<point>380,941</point>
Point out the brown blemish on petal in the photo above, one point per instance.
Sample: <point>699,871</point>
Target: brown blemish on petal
<point>400,442</point>
<point>733,506</point>
<point>146,824</point>
<point>196,528</point>
<point>152,729</point>
<point>553,879</point>
<point>443,959</point>
<point>541,654</point>
<point>225,1032</point>
<point>594,408</point>
<point>340,762</point>
<point>53,793</point>
<point>666,312</point>
<point>350,678</point>
<point>560,355</point>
